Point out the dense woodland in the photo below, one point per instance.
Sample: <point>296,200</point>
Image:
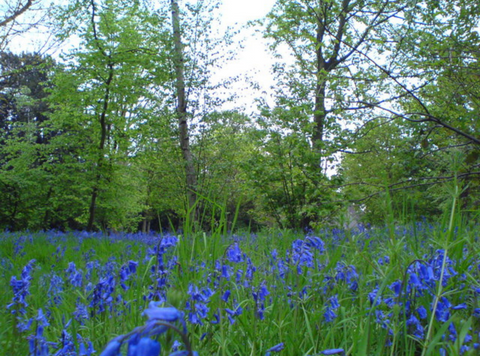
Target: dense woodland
<point>376,105</point>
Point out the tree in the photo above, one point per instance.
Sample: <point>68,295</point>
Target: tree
<point>431,76</point>
<point>325,78</point>
<point>179,59</point>
<point>388,156</point>
<point>23,140</point>
<point>106,90</point>
<point>223,147</point>
<point>320,84</point>
<point>354,62</point>
<point>199,50</point>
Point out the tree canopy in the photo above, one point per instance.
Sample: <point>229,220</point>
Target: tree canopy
<point>128,129</point>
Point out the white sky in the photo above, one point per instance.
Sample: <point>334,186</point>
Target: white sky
<point>245,10</point>
<point>253,60</point>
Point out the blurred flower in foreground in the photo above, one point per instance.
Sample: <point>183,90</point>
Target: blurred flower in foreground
<point>140,340</point>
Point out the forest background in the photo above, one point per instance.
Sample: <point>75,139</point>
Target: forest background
<point>374,108</point>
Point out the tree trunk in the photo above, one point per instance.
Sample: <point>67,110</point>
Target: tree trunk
<point>319,113</point>
<point>101,151</point>
<point>191,178</point>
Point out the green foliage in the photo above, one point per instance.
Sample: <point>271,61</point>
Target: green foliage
<point>101,99</point>
<point>370,97</point>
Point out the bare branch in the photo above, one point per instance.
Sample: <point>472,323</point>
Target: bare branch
<point>433,181</point>
<point>20,10</point>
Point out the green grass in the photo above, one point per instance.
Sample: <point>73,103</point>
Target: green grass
<point>298,295</point>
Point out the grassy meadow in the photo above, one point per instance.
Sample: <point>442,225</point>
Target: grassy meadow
<point>395,290</point>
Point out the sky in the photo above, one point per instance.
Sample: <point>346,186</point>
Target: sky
<point>245,10</point>
<point>253,60</point>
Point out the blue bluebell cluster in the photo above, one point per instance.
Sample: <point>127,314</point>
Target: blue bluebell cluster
<point>238,289</point>
<point>21,290</point>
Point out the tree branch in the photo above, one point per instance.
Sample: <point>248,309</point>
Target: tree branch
<point>16,13</point>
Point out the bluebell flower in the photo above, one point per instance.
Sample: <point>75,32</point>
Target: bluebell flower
<point>183,353</point>
<point>140,341</point>
<point>348,274</point>
<point>37,343</point>
<point>234,254</point>
<point>125,272</point>
<point>373,297</point>
<point>198,309</point>
<point>334,302</point>
<point>75,277</point>
<point>260,312</point>
<point>274,254</point>
<point>415,282</point>
<point>426,274</point>
<point>329,315</point>
<point>277,348</point>
<point>112,349</point>
<point>146,347</point>
<point>381,319</point>
<point>251,269</point>
<point>232,313</point>
<point>87,350</point>
<point>389,302</point>
<point>416,327</point>
<point>301,255</point>
<point>333,352</point>
<point>460,306</point>
<point>132,266</point>
<point>101,296</point>
<point>316,243</point>
<point>170,314</point>
<point>81,313</point>
<point>261,294</point>
<point>396,287</point>
<point>453,332</point>
<point>216,318</point>
<point>226,272</point>
<point>21,289</point>
<point>226,295</point>
<point>443,310</point>
<point>422,312</point>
